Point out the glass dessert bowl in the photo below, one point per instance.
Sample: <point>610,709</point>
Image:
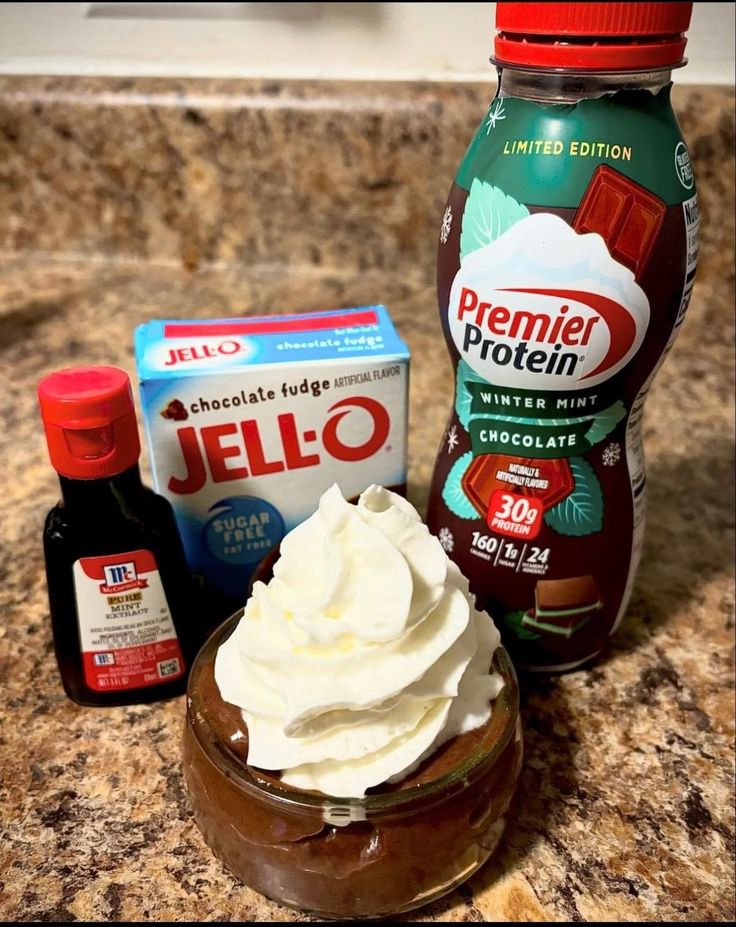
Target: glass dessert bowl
<point>402,844</point>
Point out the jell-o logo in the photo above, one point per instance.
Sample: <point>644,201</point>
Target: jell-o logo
<point>210,452</point>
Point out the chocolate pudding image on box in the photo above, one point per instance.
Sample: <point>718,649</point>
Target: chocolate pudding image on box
<point>353,740</point>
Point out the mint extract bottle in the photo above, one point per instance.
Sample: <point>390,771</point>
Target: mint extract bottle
<point>119,589</point>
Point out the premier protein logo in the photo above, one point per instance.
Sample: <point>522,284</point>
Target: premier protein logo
<point>517,336</point>
<point>236,450</point>
<point>542,307</point>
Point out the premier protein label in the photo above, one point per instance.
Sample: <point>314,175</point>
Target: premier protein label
<point>249,421</point>
<point>544,307</point>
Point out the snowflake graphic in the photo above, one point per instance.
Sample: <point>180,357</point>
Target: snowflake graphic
<point>452,439</point>
<point>447,540</point>
<point>611,454</point>
<point>446,225</point>
<point>495,114</point>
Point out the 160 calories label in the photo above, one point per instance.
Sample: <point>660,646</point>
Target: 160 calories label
<point>125,626</point>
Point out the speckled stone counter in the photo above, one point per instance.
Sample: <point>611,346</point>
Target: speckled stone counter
<point>625,809</point>
<point>350,176</point>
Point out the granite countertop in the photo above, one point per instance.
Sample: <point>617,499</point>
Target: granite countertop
<point>131,200</point>
<point>625,805</point>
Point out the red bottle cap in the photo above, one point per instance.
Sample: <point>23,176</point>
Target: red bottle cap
<point>90,424</point>
<point>591,36</point>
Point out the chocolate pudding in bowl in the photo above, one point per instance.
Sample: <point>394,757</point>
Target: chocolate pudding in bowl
<point>352,739</point>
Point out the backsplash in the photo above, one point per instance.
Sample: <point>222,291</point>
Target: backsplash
<point>200,172</point>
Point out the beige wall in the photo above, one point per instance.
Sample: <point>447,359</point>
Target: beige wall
<point>342,40</point>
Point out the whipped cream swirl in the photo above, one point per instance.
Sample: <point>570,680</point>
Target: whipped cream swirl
<point>363,654</point>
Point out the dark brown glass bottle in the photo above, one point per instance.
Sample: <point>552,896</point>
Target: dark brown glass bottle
<point>120,593</point>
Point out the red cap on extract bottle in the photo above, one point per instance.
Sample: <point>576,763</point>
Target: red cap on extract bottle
<point>591,36</point>
<point>89,418</point>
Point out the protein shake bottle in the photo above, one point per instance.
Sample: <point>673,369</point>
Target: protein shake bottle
<point>566,260</point>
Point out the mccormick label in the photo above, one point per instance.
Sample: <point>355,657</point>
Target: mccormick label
<point>250,420</point>
<point>125,626</point>
<point>566,260</point>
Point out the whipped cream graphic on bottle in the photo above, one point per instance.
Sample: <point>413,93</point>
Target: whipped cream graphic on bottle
<point>363,654</point>
<point>543,307</point>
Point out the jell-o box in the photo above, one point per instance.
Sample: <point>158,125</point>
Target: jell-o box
<point>250,420</point>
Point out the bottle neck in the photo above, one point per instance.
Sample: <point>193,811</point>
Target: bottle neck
<point>101,497</point>
<point>566,87</point>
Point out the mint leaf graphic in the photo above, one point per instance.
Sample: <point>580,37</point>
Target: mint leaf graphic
<point>453,494</point>
<point>488,213</point>
<point>581,512</point>
<point>605,421</point>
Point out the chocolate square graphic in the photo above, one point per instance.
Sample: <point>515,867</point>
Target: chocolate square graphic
<point>626,216</point>
<point>563,606</point>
